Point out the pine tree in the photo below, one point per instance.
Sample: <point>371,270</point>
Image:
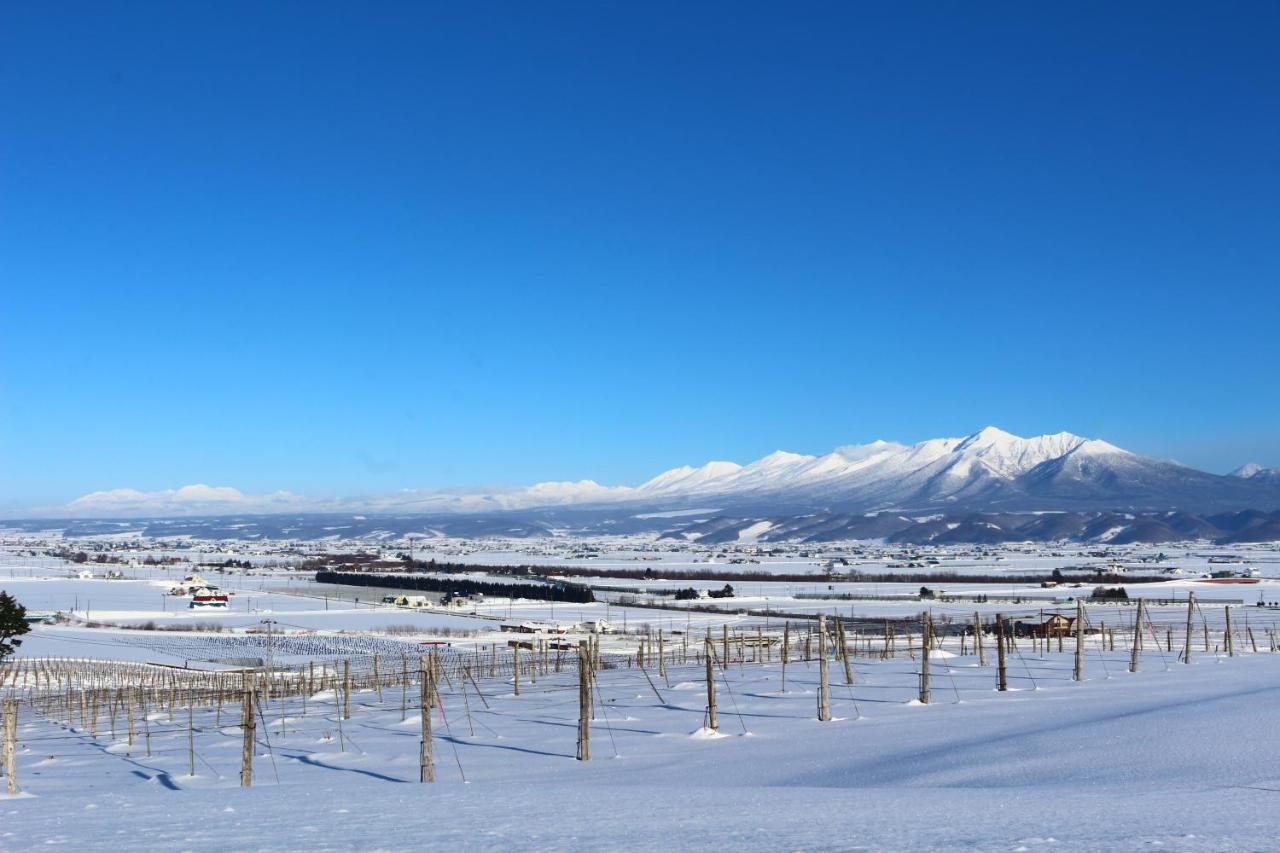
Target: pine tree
<point>13,624</point>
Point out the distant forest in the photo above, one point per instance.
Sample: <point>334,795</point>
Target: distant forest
<point>538,592</point>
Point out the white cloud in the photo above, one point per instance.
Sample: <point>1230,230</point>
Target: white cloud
<point>195,499</point>
<point>202,499</point>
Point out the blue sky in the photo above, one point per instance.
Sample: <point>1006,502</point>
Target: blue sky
<point>337,248</point>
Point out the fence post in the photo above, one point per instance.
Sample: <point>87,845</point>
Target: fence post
<point>1078,674</point>
<point>786,651</point>
<point>824,689</point>
<point>1191,606</point>
<point>926,638</point>
<point>515,666</point>
<point>977,635</point>
<point>713,721</point>
<point>191,735</point>
<point>426,679</point>
<point>11,745</point>
<point>1137,638</point>
<point>584,702</point>
<point>1229,641</point>
<point>1001,672</point>
<point>346,689</point>
<point>247,724</point>
<point>844,654</point>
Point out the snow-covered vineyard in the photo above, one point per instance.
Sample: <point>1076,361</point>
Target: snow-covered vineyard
<point>822,714</point>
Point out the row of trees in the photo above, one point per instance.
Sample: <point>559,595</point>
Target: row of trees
<point>463,586</point>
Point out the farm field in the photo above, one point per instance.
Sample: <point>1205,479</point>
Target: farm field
<point>1166,757</point>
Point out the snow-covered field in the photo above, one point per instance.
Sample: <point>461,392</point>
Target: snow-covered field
<point>1173,757</point>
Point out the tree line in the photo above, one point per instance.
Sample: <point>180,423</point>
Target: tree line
<point>571,593</point>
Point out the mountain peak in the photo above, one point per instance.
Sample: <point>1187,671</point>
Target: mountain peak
<point>990,435</point>
<point>1247,470</point>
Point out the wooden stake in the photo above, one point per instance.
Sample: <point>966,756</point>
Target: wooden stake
<point>926,631</point>
<point>786,651</point>
<point>977,635</point>
<point>515,666</point>
<point>1191,626</point>
<point>1001,671</point>
<point>1137,638</point>
<point>346,689</point>
<point>11,746</point>
<point>191,736</point>
<point>247,724</point>
<point>584,701</point>
<point>426,677</point>
<point>1078,673</point>
<point>844,654</point>
<point>713,722</point>
<point>824,689</point>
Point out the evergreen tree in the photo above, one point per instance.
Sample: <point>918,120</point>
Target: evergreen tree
<point>13,624</point>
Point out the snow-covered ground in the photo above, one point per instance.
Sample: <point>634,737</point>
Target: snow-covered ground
<point>1173,757</point>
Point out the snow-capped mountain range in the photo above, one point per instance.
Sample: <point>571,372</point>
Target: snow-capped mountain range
<point>990,470</point>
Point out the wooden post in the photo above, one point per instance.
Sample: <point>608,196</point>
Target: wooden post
<point>724,660</point>
<point>346,689</point>
<point>191,736</point>
<point>1002,674</point>
<point>128,712</point>
<point>977,636</point>
<point>146,720</point>
<point>584,702</point>
<point>426,679</point>
<point>515,666</point>
<point>1228,640</point>
<point>926,631</point>
<point>1078,674</point>
<point>11,745</point>
<point>824,689</point>
<point>1137,638</point>
<point>844,654</point>
<point>1191,626</point>
<point>786,651</point>
<point>246,727</point>
<point>713,722</point>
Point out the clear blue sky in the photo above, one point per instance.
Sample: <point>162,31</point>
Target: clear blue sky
<point>344,248</point>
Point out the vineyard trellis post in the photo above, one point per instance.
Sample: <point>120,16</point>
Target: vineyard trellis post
<point>11,745</point>
<point>247,728</point>
<point>824,688</point>
<point>1002,673</point>
<point>1078,671</point>
<point>584,701</point>
<point>713,722</point>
